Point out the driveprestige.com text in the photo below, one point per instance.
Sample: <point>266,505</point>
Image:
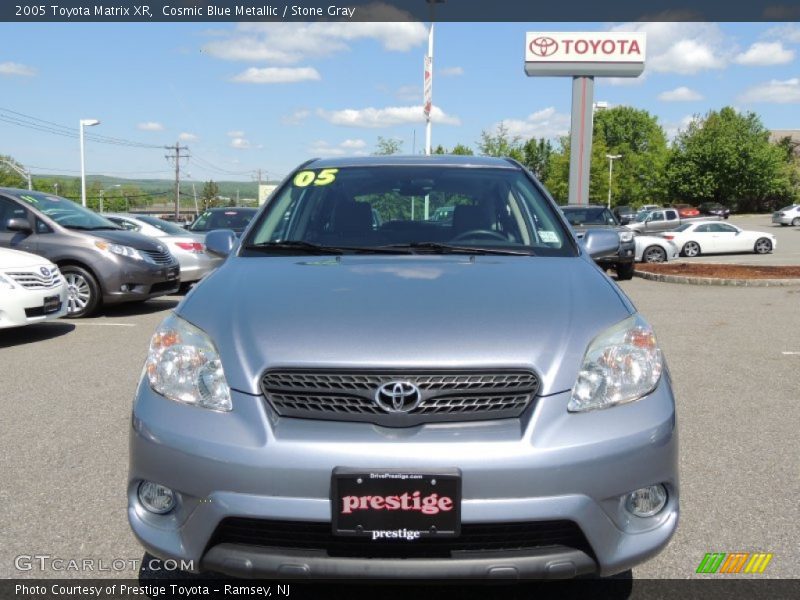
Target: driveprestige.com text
<point>152,591</point>
<point>145,11</point>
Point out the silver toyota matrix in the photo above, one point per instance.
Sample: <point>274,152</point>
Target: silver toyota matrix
<point>407,367</point>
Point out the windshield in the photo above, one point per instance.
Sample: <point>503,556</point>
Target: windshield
<point>683,227</point>
<point>395,207</point>
<point>162,225</point>
<point>589,216</point>
<point>66,212</point>
<point>642,215</point>
<point>235,219</point>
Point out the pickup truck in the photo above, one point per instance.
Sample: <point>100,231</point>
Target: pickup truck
<point>662,219</point>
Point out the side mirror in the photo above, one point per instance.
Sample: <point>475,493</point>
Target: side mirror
<point>19,225</point>
<point>220,242</point>
<point>601,243</point>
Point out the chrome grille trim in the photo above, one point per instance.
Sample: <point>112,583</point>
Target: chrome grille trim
<point>160,258</point>
<point>32,280</point>
<point>447,396</point>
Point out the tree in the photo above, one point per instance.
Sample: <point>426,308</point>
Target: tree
<point>440,150</point>
<point>537,154</point>
<point>210,195</point>
<point>501,143</point>
<point>386,146</point>
<point>462,150</point>
<point>8,176</point>
<point>727,157</point>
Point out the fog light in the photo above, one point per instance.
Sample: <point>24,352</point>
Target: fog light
<point>156,498</point>
<point>647,501</point>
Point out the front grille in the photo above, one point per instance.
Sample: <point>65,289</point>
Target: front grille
<point>444,396</point>
<point>165,287</point>
<point>160,258</point>
<point>36,280</point>
<point>474,538</point>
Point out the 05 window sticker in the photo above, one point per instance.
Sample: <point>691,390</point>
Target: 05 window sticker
<point>307,178</point>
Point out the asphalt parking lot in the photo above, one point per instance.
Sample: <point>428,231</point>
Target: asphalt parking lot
<point>734,355</point>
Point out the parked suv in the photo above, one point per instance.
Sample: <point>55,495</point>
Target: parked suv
<point>418,400</point>
<point>591,216</point>
<point>101,263</point>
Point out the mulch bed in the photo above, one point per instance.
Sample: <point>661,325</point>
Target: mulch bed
<point>721,271</point>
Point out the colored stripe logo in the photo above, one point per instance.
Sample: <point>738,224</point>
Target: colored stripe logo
<point>735,562</point>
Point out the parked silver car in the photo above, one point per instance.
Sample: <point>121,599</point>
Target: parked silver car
<point>472,399</point>
<point>788,215</point>
<point>188,248</point>
<point>101,263</point>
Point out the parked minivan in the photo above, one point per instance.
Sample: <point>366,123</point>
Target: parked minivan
<point>101,263</point>
<point>473,399</point>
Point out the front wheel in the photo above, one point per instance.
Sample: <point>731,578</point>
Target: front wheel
<point>624,271</point>
<point>796,222</point>
<point>763,246</point>
<point>691,249</point>
<point>654,254</point>
<point>83,291</point>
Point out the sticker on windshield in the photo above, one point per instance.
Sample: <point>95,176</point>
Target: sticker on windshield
<point>30,199</point>
<point>548,237</point>
<point>306,178</point>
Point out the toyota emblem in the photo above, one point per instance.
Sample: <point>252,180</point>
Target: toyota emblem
<point>44,271</point>
<point>398,397</point>
<point>543,46</point>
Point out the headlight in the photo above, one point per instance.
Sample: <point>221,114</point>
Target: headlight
<point>625,236</point>
<point>621,365</point>
<point>122,250</point>
<point>6,283</point>
<point>183,365</point>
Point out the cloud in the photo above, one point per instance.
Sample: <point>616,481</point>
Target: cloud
<point>16,69</point>
<point>680,94</point>
<point>240,143</point>
<point>547,123</point>
<point>774,92</point>
<point>349,147</point>
<point>409,93</point>
<point>450,71</point>
<point>789,32</point>
<point>150,126</point>
<point>765,54</point>
<point>290,43</point>
<point>188,137</point>
<point>235,133</point>
<point>385,117</point>
<point>277,75</point>
<point>297,117</point>
<point>680,47</point>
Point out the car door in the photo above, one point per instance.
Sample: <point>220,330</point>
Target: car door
<point>655,222</point>
<point>703,235</point>
<point>727,238</point>
<point>16,240</point>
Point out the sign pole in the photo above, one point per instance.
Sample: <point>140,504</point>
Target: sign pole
<point>580,145</point>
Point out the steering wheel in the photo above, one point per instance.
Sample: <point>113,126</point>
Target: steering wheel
<point>479,233</point>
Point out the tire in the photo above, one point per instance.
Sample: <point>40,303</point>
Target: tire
<point>784,224</point>
<point>654,254</point>
<point>624,271</point>
<point>796,222</point>
<point>83,291</point>
<point>690,249</point>
<point>762,246</point>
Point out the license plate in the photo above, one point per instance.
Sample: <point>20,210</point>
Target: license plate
<point>52,304</point>
<point>396,505</point>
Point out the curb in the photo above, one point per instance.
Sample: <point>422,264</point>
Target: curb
<point>716,281</point>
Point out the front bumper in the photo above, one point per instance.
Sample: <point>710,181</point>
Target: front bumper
<point>131,280</point>
<point>550,465</point>
<point>22,306</point>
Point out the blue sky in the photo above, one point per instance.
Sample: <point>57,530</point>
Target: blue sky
<point>254,95</point>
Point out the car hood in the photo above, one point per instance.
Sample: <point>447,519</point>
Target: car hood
<point>128,238</point>
<point>14,259</point>
<point>420,312</point>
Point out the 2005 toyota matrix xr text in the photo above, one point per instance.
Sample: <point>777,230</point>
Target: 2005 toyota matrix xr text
<point>405,397</point>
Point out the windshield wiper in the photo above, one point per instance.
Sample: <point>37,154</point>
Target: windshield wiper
<point>456,249</point>
<point>311,248</point>
<point>85,228</point>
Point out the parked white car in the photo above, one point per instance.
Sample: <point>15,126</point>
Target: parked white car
<point>654,249</point>
<point>32,289</point>
<point>712,237</point>
<point>789,215</point>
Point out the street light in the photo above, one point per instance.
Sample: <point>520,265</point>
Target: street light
<point>84,123</point>
<point>611,158</point>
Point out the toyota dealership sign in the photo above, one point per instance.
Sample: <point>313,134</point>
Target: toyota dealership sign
<point>603,54</point>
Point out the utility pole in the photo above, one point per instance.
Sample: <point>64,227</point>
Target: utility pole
<point>176,156</point>
<point>258,189</point>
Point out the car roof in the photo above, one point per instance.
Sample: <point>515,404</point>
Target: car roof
<point>397,160</point>
<point>581,206</point>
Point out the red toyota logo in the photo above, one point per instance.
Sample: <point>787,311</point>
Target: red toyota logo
<point>543,46</point>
